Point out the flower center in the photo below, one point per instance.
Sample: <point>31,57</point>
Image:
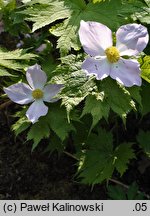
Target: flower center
<point>37,94</point>
<point>112,54</point>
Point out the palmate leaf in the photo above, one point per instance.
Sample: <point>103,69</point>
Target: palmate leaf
<point>42,13</point>
<point>55,120</point>
<point>111,95</point>
<point>45,12</point>
<point>118,97</point>
<point>98,108</point>
<point>22,123</point>
<point>143,139</point>
<point>58,122</point>
<point>15,60</point>
<point>37,132</point>
<point>123,153</point>
<point>117,192</point>
<point>99,161</point>
<point>76,84</point>
<point>114,97</point>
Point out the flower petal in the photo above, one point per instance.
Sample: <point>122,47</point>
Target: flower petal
<point>131,39</point>
<point>51,91</point>
<point>20,93</point>
<point>127,72</point>
<point>36,77</point>
<point>98,67</point>
<point>95,37</point>
<point>36,109</point>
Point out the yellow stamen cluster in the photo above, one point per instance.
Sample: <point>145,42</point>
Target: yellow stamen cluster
<point>112,54</point>
<point>37,94</point>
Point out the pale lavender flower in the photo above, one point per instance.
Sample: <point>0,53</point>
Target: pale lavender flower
<point>41,48</point>
<point>105,59</point>
<point>35,92</point>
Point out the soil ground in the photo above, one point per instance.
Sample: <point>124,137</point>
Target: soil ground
<point>36,175</point>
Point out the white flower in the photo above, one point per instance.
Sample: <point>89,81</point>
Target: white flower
<point>35,92</point>
<point>105,59</point>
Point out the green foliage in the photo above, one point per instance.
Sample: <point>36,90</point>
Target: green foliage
<point>119,98</point>
<point>98,162</point>
<point>56,23</point>
<point>55,144</point>
<point>55,120</point>
<point>119,193</point>
<point>43,14</point>
<point>13,22</point>
<point>15,60</point>
<point>144,14</point>
<point>6,6</point>
<point>96,1</point>
<point>123,153</point>
<point>97,107</point>
<point>58,122</point>
<point>146,68</point>
<point>73,11</point>
<point>145,102</point>
<point>143,139</point>
<point>102,95</point>
<point>77,85</point>
<point>37,132</point>
<point>22,123</point>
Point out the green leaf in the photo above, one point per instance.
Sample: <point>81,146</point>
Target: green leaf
<point>55,144</point>
<point>57,120</point>
<point>76,84</point>
<point>135,94</point>
<point>132,191</point>
<point>21,125</point>
<point>116,192</point>
<point>99,160</point>
<point>97,107</point>
<point>15,60</point>
<point>18,54</point>
<point>96,163</point>
<point>4,72</point>
<point>7,5</point>
<point>146,68</point>
<point>73,11</point>
<point>145,101</point>
<point>37,132</point>
<point>144,14</point>
<point>44,14</point>
<point>96,1</point>
<point>143,139</point>
<point>67,33</point>
<point>119,193</point>
<point>123,153</point>
<point>118,97</point>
